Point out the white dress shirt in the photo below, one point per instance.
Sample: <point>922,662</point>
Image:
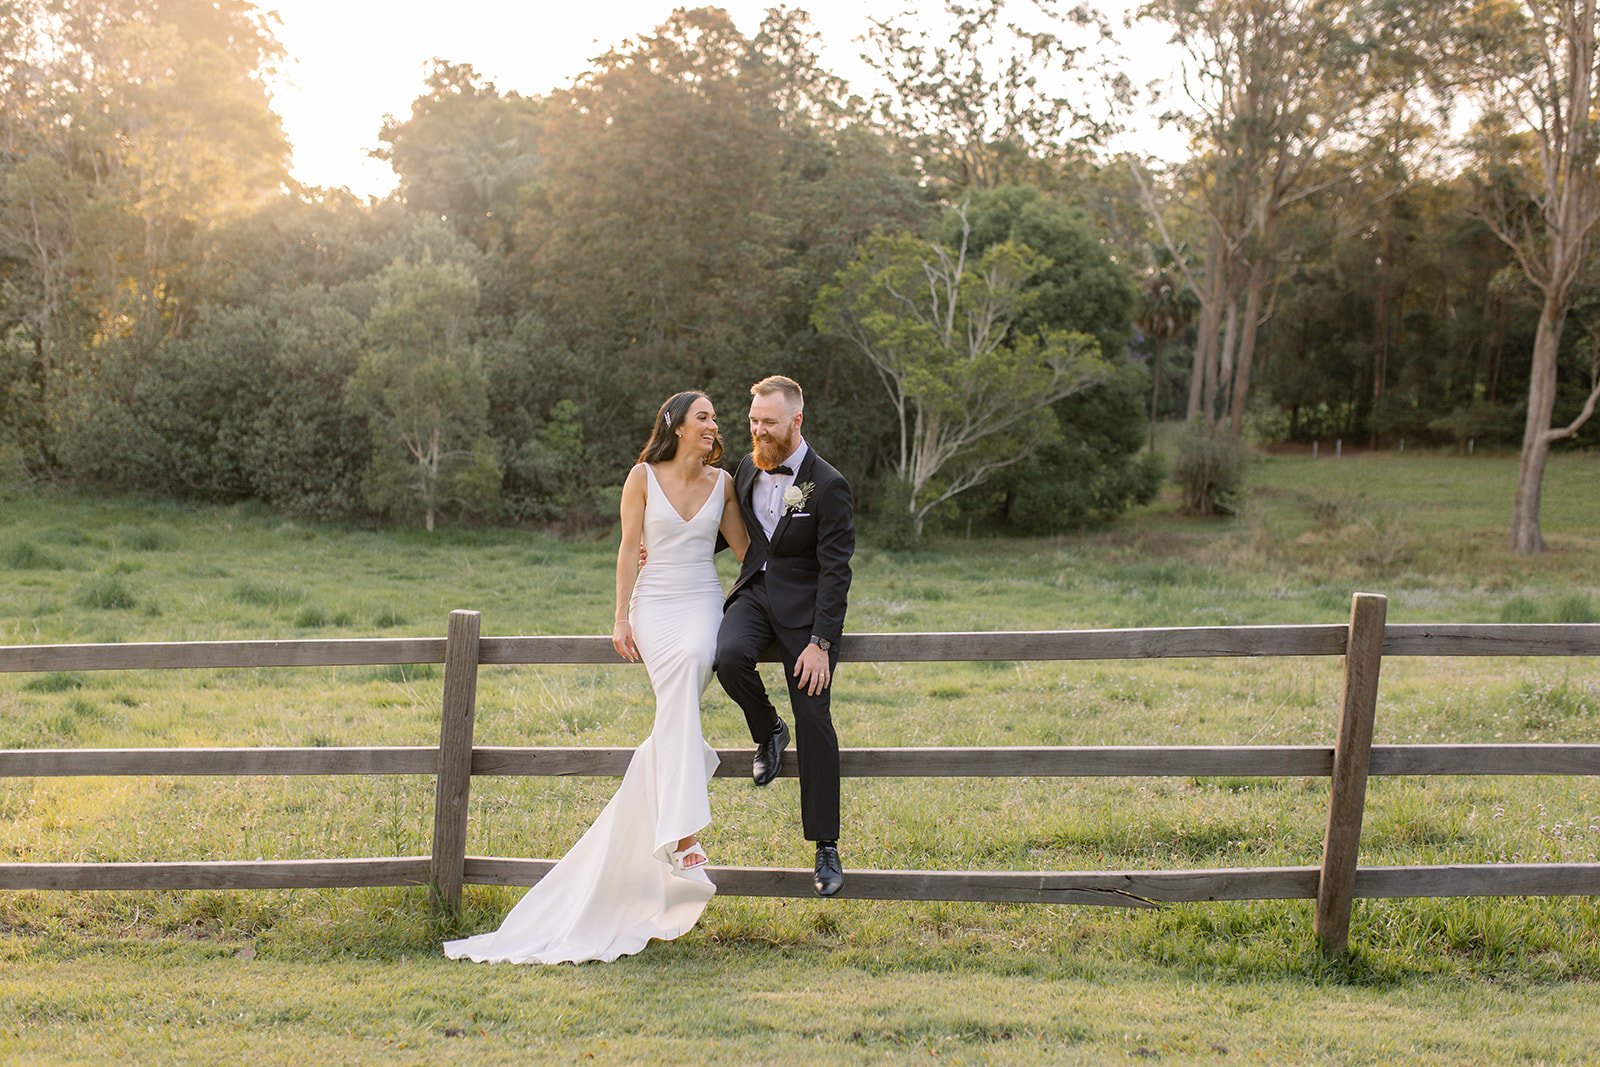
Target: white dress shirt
<point>768,496</point>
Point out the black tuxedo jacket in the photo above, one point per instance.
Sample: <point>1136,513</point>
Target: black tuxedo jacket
<point>808,558</point>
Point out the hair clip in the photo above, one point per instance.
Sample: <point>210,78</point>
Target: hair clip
<point>667,417</point>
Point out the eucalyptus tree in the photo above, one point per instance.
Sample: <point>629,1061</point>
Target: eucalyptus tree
<point>983,92</point>
<point>1535,65</point>
<point>1269,88</point>
<point>971,393</point>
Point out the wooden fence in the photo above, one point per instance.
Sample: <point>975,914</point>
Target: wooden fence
<point>1334,884</point>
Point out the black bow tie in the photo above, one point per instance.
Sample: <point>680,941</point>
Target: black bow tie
<point>775,471</point>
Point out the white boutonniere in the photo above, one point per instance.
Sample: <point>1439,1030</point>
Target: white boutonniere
<point>795,497</point>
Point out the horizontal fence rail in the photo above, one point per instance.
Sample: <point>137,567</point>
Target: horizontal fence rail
<point>1194,761</point>
<point>1121,888</point>
<point>1425,639</point>
<point>456,760</point>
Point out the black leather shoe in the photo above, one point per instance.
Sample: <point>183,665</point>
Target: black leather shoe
<point>769,755</point>
<point>830,876</point>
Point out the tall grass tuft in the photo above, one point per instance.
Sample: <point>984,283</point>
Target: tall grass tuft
<point>1575,608</point>
<point>311,617</point>
<point>1521,609</point>
<point>27,556</point>
<point>108,593</point>
<point>55,682</point>
<point>265,594</point>
<point>388,617</point>
<point>148,539</point>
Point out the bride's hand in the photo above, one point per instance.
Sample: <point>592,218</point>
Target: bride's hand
<point>622,640</point>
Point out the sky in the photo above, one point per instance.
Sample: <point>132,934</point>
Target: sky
<point>352,62</point>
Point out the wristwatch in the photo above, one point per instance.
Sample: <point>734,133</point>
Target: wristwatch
<point>821,642</point>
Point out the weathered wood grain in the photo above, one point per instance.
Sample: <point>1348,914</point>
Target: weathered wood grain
<point>197,654</point>
<point>58,763</point>
<point>1352,755</point>
<point>1066,762</point>
<point>1492,639</point>
<point>1481,880</point>
<point>1123,888</point>
<point>1155,643</point>
<point>1088,762</point>
<point>455,758</point>
<point>1485,759</point>
<point>218,874</point>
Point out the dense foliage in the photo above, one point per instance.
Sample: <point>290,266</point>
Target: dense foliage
<point>488,343</point>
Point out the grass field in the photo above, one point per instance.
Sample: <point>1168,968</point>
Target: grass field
<point>350,975</point>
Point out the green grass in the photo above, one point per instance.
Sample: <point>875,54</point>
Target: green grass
<point>352,975</point>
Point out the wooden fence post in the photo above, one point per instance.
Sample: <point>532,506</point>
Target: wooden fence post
<point>455,761</point>
<point>1352,753</point>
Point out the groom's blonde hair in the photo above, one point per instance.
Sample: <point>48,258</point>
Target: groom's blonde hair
<point>777,383</point>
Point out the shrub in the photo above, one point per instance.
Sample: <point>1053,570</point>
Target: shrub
<point>890,525</point>
<point>1209,469</point>
<point>1095,468</point>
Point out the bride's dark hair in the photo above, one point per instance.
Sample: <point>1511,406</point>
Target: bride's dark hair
<point>663,443</point>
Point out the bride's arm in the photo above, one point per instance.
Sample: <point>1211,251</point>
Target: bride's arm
<point>732,527</point>
<point>633,496</point>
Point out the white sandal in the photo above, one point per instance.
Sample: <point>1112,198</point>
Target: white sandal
<point>680,859</point>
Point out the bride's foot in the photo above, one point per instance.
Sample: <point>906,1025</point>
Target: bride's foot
<point>689,855</point>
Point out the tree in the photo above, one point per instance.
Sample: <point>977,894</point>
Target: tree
<point>465,153</point>
<point>1166,312</point>
<point>132,129</point>
<point>422,388</point>
<point>1089,470</point>
<point>1271,86</point>
<point>1538,64</point>
<point>981,98</point>
<point>695,188</point>
<point>971,395</point>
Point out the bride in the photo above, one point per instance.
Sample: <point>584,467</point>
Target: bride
<point>638,872</point>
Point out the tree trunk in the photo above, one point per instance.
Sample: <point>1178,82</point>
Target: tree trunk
<point>1526,537</point>
<point>1221,363</point>
<point>1210,322</point>
<point>1380,326</point>
<point>1247,345</point>
<point>1155,389</point>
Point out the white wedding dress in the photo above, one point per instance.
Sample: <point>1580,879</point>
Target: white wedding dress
<point>616,888</point>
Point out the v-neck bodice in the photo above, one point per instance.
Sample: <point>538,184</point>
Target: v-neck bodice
<point>680,550</point>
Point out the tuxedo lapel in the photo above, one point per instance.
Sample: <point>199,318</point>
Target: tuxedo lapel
<point>800,478</point>
<point>744,488</point>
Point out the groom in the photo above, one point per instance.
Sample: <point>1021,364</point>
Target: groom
<point>791,590</point>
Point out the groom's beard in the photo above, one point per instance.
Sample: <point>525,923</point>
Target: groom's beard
<point>768,453</point>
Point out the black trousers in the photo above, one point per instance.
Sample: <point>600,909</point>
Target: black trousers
<point>748,629</point>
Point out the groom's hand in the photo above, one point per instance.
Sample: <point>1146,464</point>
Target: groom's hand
<point>812,670</point>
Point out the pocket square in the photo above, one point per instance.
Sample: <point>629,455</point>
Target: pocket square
<point>799,514</point>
